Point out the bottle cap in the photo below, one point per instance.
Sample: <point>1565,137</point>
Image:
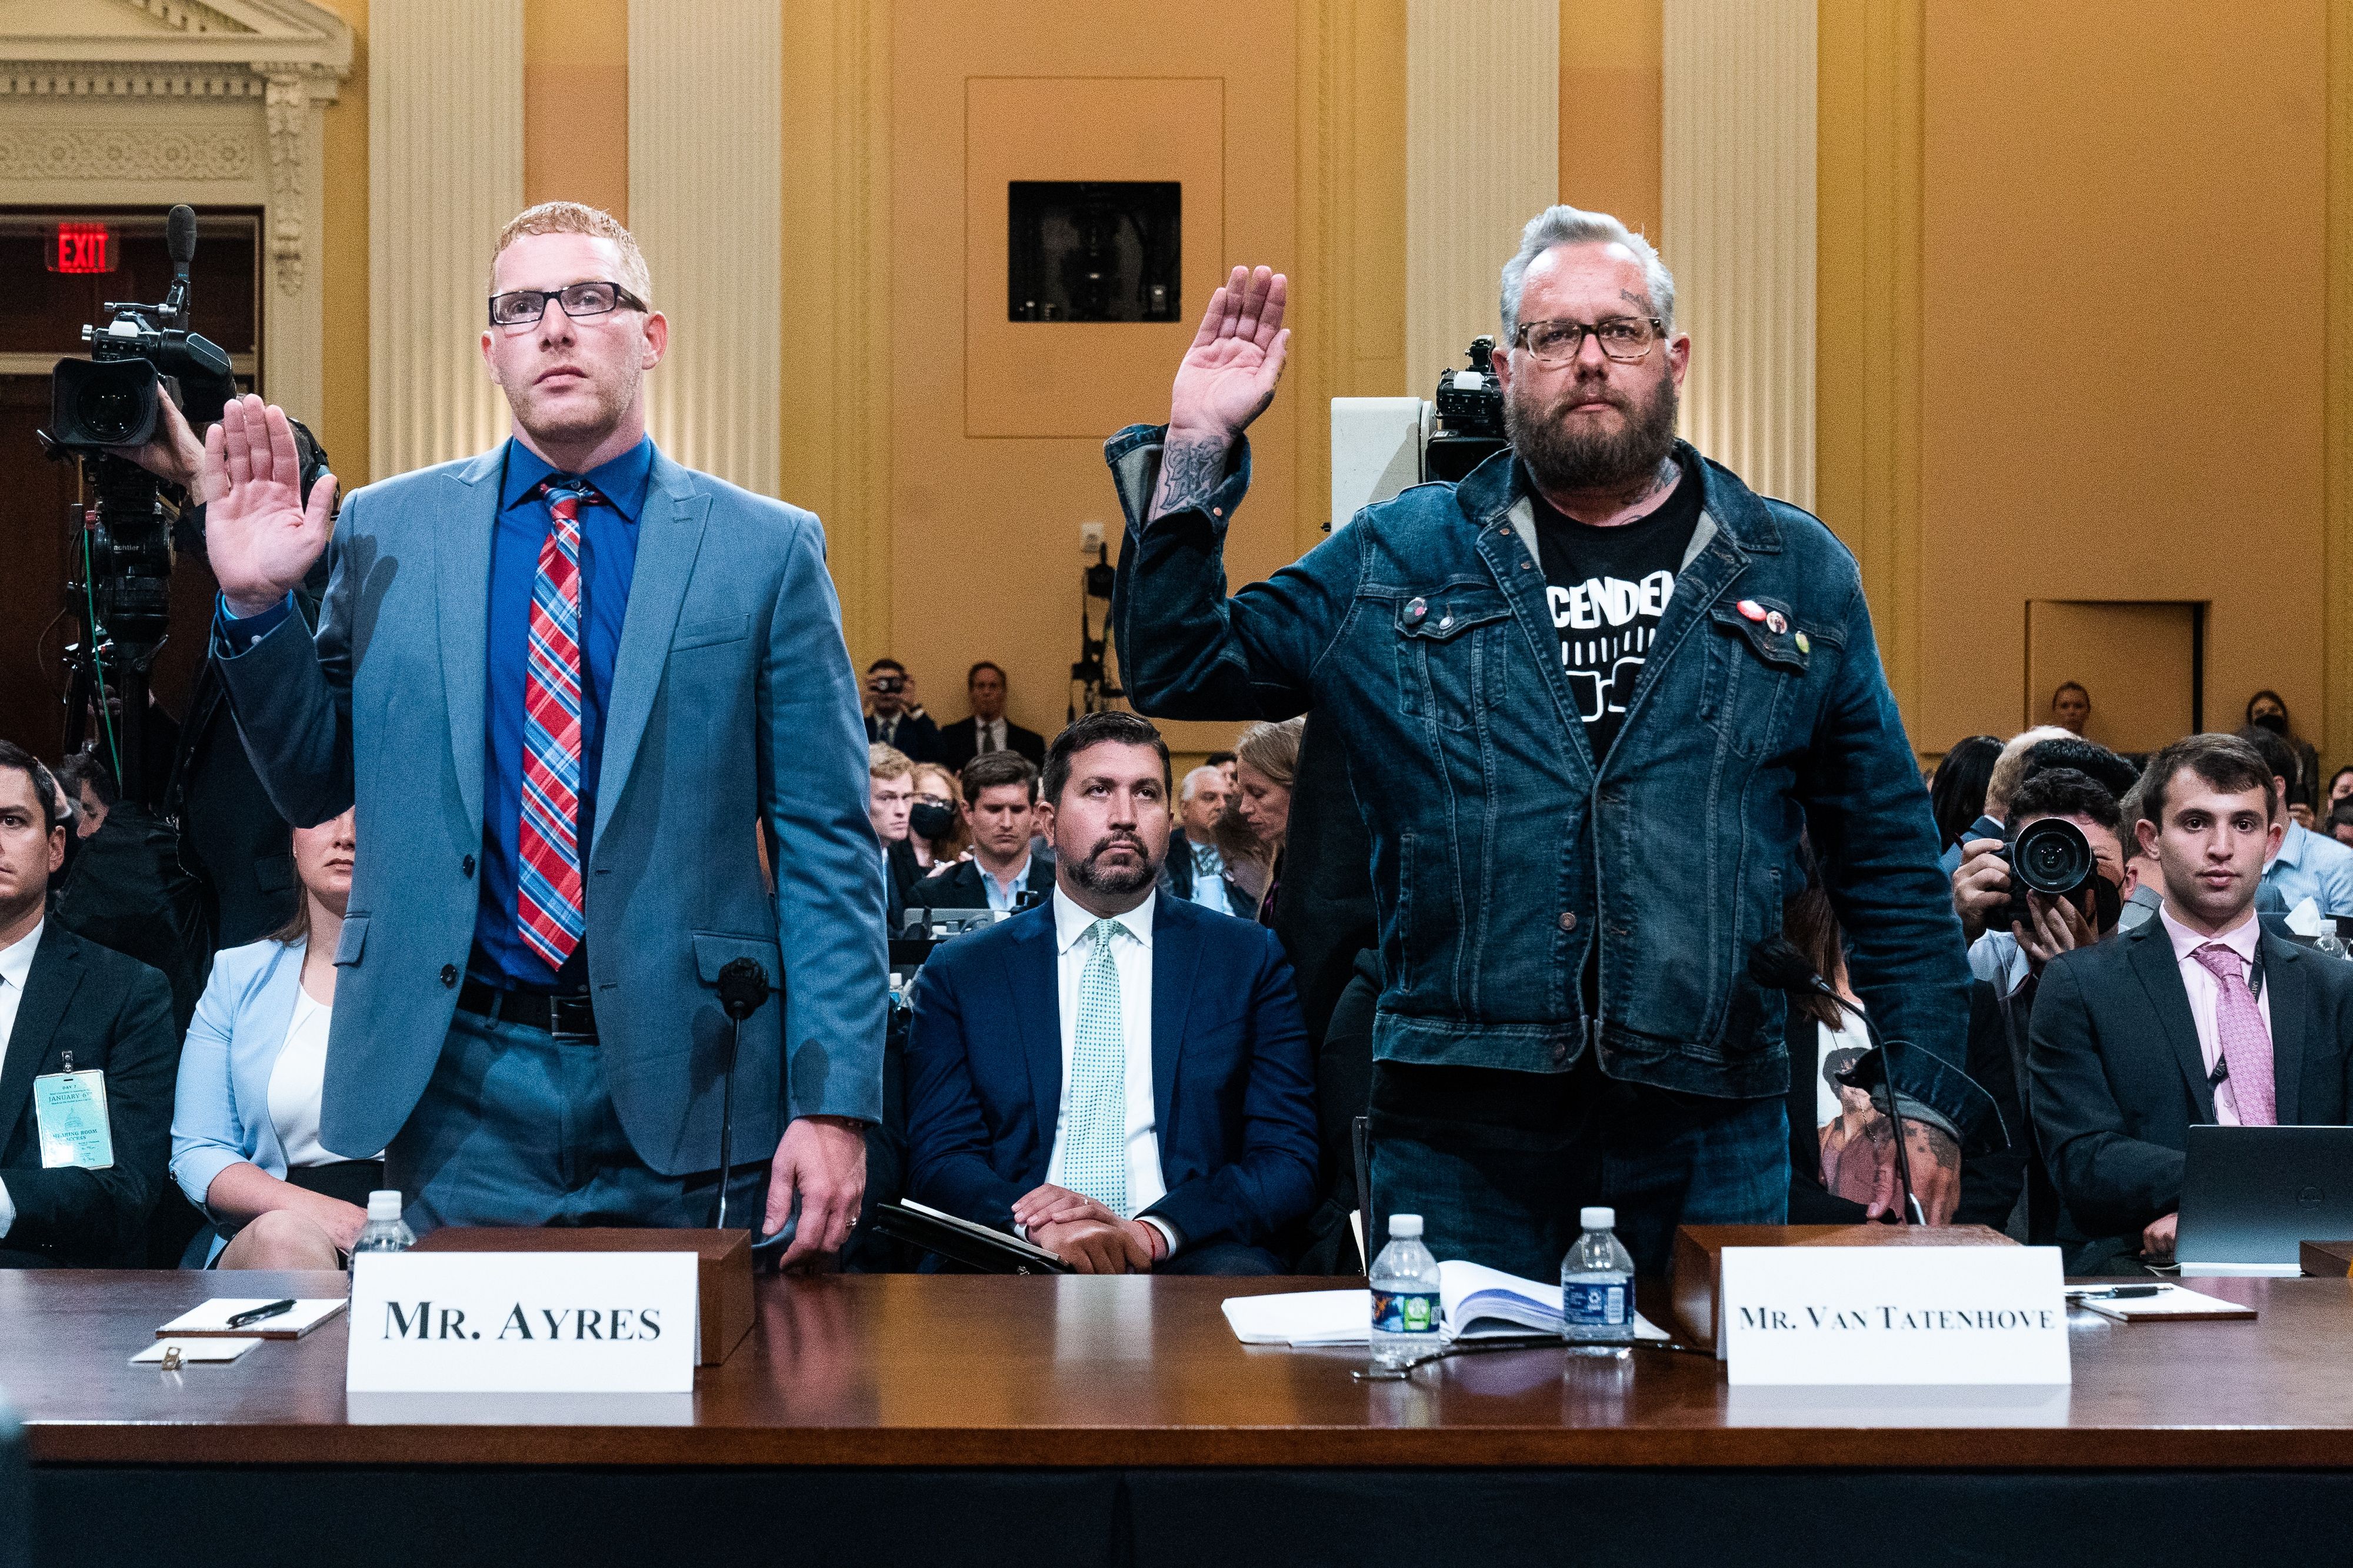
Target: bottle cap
<point>384,1205</point>
<point>1598,1218</point>
<point>1404,1225</point>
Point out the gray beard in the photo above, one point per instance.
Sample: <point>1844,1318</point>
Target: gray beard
<point>1558,460</point>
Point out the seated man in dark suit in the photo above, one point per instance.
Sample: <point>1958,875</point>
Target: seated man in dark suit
<point>2199,1016</point>
<point>1120,1075</point>
<point>70,1006</point>
<point>1000,794</point>
<point>988,730</point>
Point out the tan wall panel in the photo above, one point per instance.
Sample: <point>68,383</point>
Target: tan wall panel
<point>2096,197</point>
<point>2136,661</point>
<point>343,413</point>
<point>1055,378</point>
<point>984,532</point>
<point>576,103</point>
<point>1609,87</point>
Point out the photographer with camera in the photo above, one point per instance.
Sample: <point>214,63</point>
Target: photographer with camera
<point>1603,685</point>
<point>893,716</point>
<point>1978,865</point>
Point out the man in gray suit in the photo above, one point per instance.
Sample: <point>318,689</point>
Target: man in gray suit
<point>558,679</point>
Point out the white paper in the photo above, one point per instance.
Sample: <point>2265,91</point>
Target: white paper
<point>523,1322</point>
<point>2304,918</point>
<point>1306,1318</point>
<point>210,1350</point>
<point>213,1316</point>
<point>1301,1318</point>
<point>2170,1301</point>
<point>1895,1315</point>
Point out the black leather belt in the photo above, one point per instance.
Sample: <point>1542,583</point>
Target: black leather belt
<point>565,1017</point>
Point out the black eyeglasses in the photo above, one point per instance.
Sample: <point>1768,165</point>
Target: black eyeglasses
<point>1625,338</point>
<point>526,307</point>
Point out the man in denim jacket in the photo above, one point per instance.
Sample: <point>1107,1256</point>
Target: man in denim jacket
<point>1589,698</point>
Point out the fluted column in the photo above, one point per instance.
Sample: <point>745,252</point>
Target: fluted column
<point>445,174</point>
<point>1736,165</point>
<point>706,194</point>
<point>1483,157</point>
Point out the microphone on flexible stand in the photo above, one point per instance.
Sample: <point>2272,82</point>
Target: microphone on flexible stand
<point>743,986</point>
<point>1778,965</point>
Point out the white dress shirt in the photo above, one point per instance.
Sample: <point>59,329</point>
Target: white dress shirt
<point>1131,950</point>
<point>2205,994</point>
<point>16,966</point>
<point>298,1083</point>
<point>987,735</point>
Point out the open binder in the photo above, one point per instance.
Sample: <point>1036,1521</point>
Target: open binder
<point>960,1241</point>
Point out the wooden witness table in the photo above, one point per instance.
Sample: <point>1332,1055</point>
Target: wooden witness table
<point>947,1420</point>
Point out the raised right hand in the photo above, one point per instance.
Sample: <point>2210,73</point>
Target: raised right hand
<point>260,537</point>
<point>1228,376</point>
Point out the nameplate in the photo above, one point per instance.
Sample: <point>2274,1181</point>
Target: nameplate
<point>1901,1315</point>
<point>518,1323</point>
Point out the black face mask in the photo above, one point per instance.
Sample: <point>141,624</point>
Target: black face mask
<point>931,820</point>
<point>2275,722</point>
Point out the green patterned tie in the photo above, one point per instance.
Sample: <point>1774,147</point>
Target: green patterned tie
<point>1094,1150</point>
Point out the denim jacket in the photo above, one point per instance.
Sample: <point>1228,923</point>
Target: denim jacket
<point>1501,853</point>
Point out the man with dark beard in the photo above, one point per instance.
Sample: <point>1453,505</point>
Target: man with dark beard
<point>1589,699</point>
<point>1120,1078</point>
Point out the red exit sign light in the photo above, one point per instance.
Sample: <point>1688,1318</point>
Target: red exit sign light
<point>83,248</point>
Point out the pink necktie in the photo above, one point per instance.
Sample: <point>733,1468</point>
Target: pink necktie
<point>2246,1043</point>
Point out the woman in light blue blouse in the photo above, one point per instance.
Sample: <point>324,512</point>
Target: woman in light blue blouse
<point>245,1126</point>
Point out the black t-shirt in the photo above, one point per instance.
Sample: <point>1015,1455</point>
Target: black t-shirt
<point>1608,586</point>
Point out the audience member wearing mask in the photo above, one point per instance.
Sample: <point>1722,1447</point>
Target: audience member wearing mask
<point>2200,1016</point>
<point>2266,711</point>
<point>1000,798</point>
<point>245,1126</point>
<point>2070,707</point>
<point>2009,769</point>
<point>66,1003</point>
<point>1266,766</point>
<point>889,798</point>
<point>2304,864</point>
<point>1838,1174</point>
<point>2340,785</point>
<point>1957,791</point>
<point>2340,822</point>
<point>1195,868</point>
<point>936,828</point>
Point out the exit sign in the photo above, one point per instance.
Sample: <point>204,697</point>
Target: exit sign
<point>83,248</point>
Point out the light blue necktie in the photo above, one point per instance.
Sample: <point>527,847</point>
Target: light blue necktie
<point>1094,1151</point>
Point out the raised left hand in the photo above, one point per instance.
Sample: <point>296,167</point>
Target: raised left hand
<point>823,1158</point>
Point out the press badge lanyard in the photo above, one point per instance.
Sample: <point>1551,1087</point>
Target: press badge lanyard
<point>71,1108</point>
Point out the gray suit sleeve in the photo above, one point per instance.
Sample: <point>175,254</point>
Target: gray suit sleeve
<point>829,864</point>
<point>291,694</point>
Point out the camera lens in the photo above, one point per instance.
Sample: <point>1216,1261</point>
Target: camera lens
<point>110,410</point>
<point>2052,856</point>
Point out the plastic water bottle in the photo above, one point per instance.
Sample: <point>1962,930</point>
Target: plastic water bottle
<point>1597,1289</point>
<point>1405,1295</point>
<point>386,1231</point>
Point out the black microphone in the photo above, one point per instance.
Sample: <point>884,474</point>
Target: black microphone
<point>1775,964</point>
<point>743,987</point>
<point>180,237</point>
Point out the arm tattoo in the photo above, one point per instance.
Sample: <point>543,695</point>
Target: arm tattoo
<point>1189,474</point>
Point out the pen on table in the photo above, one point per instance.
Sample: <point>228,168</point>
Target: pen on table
<point>256,1314</point>
<point>2118,1293</point>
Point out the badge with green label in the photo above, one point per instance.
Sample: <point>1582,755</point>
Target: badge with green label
<point>71,1109</point>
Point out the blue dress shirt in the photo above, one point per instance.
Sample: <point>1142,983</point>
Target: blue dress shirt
<point>609,559</point>
<point>2311,866</point>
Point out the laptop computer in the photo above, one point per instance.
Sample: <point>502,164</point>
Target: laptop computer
<point>2252,1196</point>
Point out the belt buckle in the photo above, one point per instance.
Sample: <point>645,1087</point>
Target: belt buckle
<point>578,1006</point>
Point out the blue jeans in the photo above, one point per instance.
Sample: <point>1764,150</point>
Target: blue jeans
<point>517,1128</point>
<point>1498,1163</point>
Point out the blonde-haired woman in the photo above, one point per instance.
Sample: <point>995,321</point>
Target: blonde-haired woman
<point>1257,819</point>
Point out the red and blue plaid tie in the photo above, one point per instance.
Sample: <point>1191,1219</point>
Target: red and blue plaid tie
<point>548,902</point>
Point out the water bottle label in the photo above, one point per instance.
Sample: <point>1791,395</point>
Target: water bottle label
<point>1404,1312</point>
<point>1598,1305</point>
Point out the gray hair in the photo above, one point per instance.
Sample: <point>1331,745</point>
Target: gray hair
<point>1573,225</point>
<point>1193,781</point>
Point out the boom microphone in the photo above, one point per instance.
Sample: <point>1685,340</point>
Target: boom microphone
<point>180,237</point>
<point>1775,964</point>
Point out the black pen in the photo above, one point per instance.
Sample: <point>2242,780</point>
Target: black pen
<point>256,1314</point>
<point>2120,1292</point>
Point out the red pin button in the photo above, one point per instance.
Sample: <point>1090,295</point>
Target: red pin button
<point>1751,609</point>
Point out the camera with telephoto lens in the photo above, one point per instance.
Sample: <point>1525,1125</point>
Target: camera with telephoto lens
<point>891,683</point>
<point>2047,855</point>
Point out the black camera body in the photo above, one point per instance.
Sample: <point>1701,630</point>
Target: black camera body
<point>1470,415</point>
<point>111,399</point>
<point>2047,855</point>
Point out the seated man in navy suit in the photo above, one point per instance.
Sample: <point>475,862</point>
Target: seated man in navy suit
<point>1121,1077</point>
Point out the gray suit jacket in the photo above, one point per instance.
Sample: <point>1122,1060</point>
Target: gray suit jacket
<point>733,702</point>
